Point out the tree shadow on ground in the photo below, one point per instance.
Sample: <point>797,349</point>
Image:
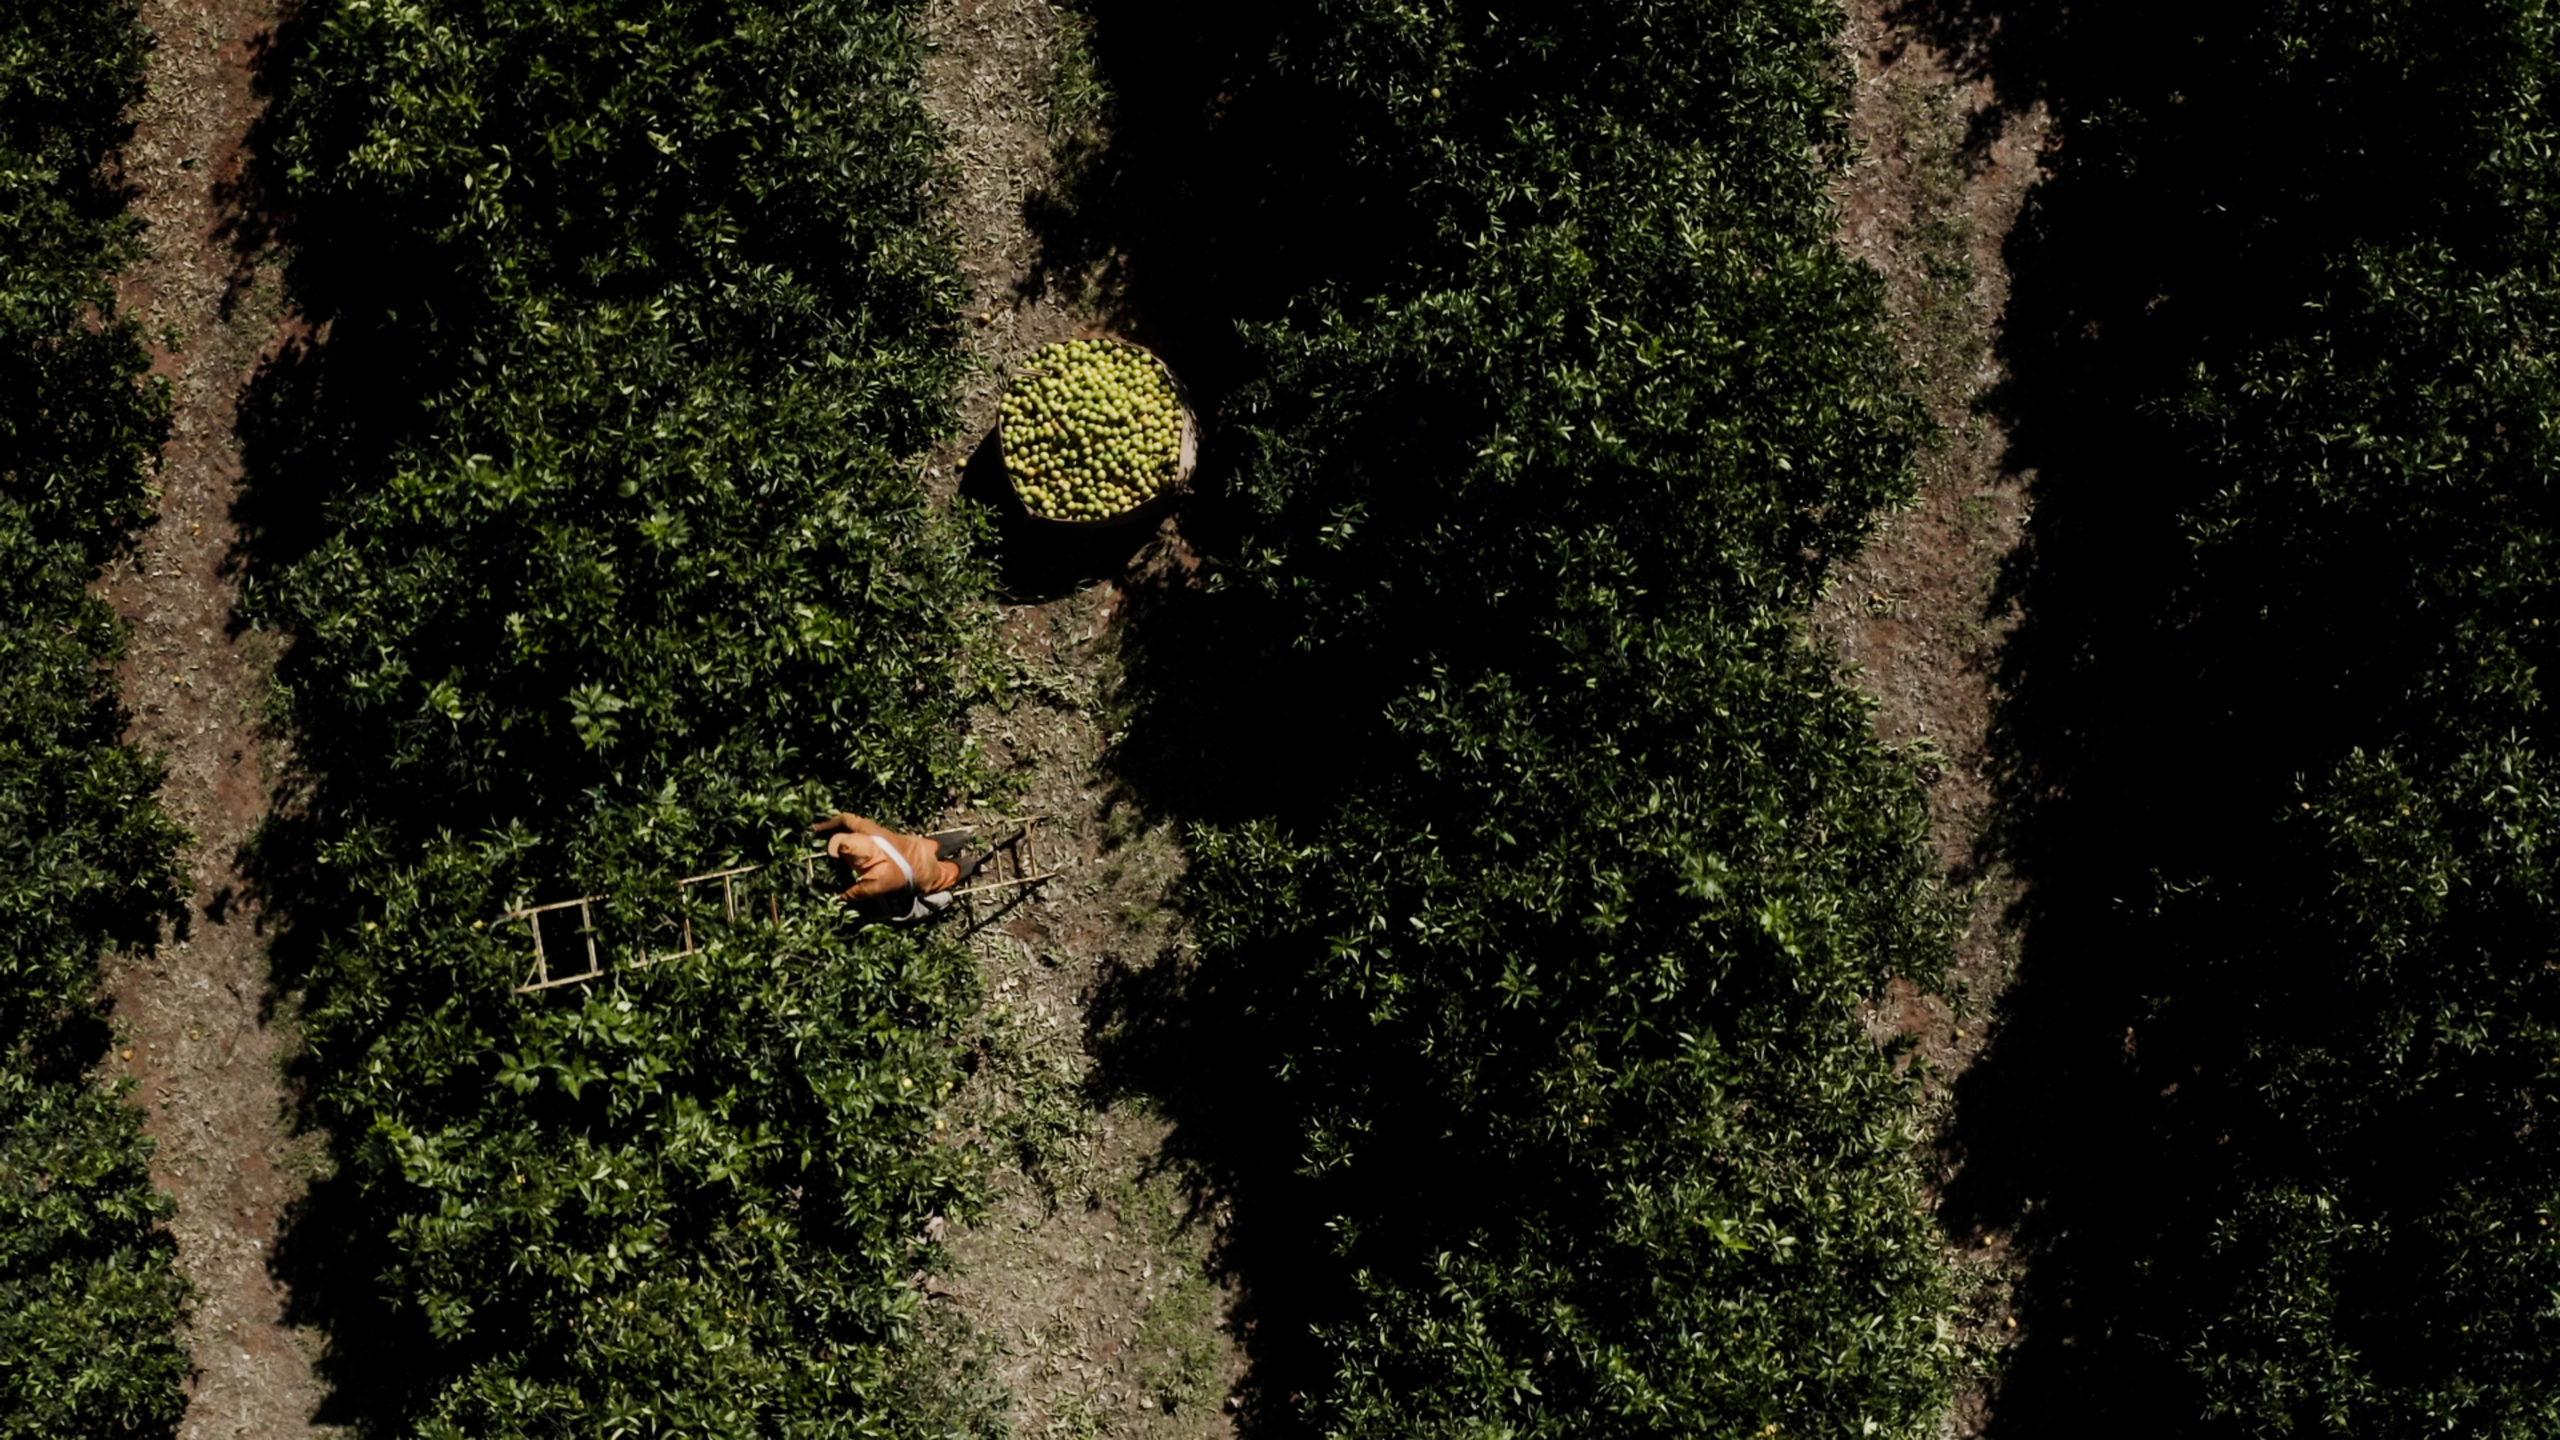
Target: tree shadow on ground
<point>2159,711</point>
<point>1040,560</point>
<point>1212,198</point>
<point>1210,190</point>
<point>1208,197</point>
<point>321,412</point>
<point>1160,1035</point>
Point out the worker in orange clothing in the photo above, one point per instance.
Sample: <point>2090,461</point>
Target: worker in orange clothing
<point>903,877</point>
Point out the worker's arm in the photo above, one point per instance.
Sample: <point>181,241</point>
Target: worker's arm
<point>845,821</point>
<point>884,881</point>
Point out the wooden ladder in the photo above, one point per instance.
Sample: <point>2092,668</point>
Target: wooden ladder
<point>1014,864</point>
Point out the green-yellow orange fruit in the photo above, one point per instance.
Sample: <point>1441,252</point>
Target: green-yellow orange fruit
<point>1092,428</point>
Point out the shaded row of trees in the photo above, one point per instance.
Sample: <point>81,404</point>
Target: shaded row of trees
<point>1539,864</point>
<point>2269,1097</point>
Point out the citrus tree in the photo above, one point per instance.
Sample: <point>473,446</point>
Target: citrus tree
<point>591,520</point>
<point>89,1296</point>
<point>2279,750</point>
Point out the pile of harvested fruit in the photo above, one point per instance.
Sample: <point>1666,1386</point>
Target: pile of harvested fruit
<point>1091,429</point>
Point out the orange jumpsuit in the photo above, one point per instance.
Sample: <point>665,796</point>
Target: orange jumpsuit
<point>876,872</point>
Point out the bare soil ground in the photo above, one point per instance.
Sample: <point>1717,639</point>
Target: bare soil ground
<point>197,1032</point>
<point>1089,1276</point>
<point>1938,182</point>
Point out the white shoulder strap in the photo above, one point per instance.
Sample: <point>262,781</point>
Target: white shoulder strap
<point>897,859</point>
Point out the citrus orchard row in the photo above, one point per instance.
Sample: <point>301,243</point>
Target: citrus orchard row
<point>592,604</point>
<point>1547,952</point>
<point>90,1297</point>
<point>2286,776</point>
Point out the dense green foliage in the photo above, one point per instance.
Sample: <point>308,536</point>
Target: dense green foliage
<point>589,520</point>
<point>2282,747</point>
<point>89,1298</point>
<point>1574,858</point>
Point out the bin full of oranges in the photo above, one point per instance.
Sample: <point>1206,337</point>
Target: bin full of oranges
<point>1096,432</point>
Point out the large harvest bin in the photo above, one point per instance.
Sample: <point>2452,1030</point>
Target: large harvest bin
<point>1155,507</point>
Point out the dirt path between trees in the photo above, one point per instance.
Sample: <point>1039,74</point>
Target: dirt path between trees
<point>1089,1278</point>
<point>197,1035</point>
<point>1930,202</point>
